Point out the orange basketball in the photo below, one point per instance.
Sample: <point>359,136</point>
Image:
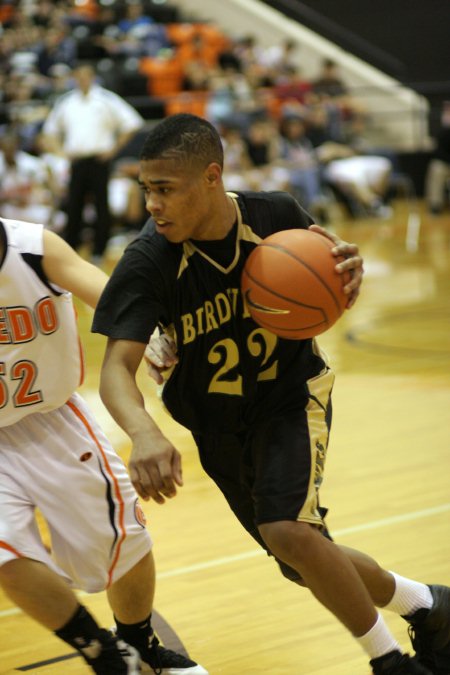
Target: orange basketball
<point>290,284</point>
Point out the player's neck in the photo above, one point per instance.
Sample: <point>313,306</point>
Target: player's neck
<point>229,215</point>
<point>219,221</point>
<point>225,218</point>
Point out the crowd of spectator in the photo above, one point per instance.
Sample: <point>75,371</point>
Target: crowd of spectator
<point>282,128</point>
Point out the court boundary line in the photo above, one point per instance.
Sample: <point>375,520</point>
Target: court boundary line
<point>226,560</point>
<point>392,520</point>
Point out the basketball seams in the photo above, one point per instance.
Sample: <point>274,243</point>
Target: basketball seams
<point>308,267</point>
<point>281,332</point>
<point>282,297</point>
<point>290,284</point>
<point>270,326</point>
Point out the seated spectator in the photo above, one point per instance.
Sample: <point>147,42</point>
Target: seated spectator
<point>196,76</point>
<point>281,60</point>
<point>126,200</point>
<point>56,47</point>
<point>329,83</point>
<point>24,110</point>
<point>299,158</point>
<point>320,129</point>
<point>364,180</point>
<point>437,178</point>
<point>155,41</point>
<point>291,86</point>
<point>107,16</point>
<point>58,168</point>
<point>232,96</point>
<point>135,35</point>
<point>237,164</point>
<point>359,177</point>
<point>330,89</point>
<point>262,142</point>
<point>41,13</point>
<point>246,50</point>
<point>58,82</point>
<point>134,19</point>
<point>26,184</point>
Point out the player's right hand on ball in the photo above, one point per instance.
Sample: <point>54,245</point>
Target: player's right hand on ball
<point>160,354</point>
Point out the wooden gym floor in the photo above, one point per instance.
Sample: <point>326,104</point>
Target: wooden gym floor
<point>387,483</point>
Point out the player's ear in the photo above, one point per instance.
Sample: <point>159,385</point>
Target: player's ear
<point>213,174</point>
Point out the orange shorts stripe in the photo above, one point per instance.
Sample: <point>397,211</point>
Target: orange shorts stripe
<point>6,546</point>
<point>120,501</point>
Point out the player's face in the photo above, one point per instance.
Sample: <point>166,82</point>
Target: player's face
<point>179,197</point>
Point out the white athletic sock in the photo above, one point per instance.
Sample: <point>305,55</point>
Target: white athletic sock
<point>378,640</point>
<point>409,596</point>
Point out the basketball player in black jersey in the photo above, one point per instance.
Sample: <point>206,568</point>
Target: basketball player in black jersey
<point>258,406</point>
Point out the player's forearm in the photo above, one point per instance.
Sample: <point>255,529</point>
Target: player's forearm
<point>64,267</point>
<point>125,403</point>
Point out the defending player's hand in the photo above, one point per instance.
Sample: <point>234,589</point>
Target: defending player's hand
<point>160,354</point>
<point>353,263</point>
<point>155,468</point>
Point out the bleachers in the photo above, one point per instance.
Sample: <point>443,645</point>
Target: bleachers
<point>158,82</point>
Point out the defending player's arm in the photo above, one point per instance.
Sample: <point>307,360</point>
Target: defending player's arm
<point>64,267</point>
<point>155,464</point>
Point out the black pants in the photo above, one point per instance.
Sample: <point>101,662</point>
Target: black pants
<point>89,176</point>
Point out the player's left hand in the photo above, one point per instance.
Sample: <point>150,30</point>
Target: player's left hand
<point>353,263</point>
<point>160,355</point>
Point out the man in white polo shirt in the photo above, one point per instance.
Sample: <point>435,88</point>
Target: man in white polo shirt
<point>89,125</point>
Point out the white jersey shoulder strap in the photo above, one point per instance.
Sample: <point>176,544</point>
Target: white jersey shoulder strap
<point>25,237</point>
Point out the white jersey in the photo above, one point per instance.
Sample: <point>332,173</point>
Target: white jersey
<point>60,461</point>
<point>41,361</point>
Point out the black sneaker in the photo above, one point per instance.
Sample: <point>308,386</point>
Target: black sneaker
<point>429,631</point>
<point>162,661</point>
<point>396,663</point>
<point>111,656</point>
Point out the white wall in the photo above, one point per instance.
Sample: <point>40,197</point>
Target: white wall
<point>399,114</point>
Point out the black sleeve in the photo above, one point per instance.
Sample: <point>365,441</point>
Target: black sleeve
<point>270,212</point>
<point>288,213</point>
<point>131,305</point>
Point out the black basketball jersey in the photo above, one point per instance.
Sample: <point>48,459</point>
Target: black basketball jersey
<point>231,372</point>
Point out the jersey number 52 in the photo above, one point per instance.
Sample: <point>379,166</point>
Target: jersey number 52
<point>25,372</point>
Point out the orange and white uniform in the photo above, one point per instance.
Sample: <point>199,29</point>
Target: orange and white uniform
<point>53,454</point>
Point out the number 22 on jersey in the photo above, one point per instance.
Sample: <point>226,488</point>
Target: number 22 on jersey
<point>225,353</point>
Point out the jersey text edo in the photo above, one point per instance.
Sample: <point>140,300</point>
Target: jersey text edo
<point>41,362</point>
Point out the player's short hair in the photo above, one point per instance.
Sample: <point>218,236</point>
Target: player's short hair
<point>186,138</point>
